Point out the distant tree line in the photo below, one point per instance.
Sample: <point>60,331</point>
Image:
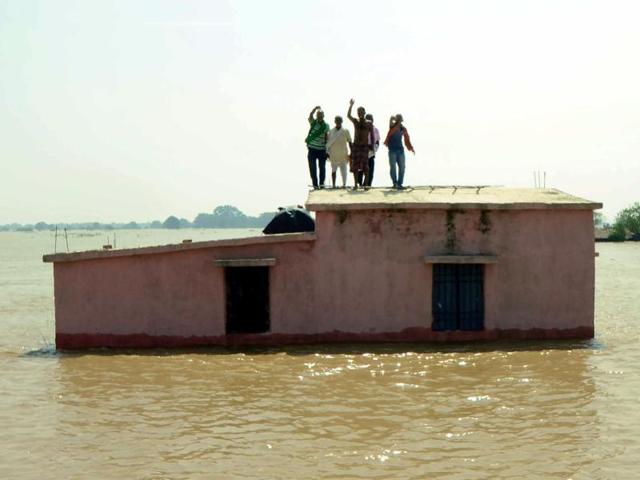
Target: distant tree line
<point>224,216</point>
<point>626,225</point>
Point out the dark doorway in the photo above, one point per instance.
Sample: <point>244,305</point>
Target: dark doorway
<point>458,297</point>
<point>247,299</point>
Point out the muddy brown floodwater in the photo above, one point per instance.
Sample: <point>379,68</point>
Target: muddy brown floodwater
<point>494,410</point>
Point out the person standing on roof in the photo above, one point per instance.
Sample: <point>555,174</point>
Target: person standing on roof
<point>338,142</point>
<point>374,143</point>
<point>397,132</point>
<point>360,146</point>
<point>317,145</point>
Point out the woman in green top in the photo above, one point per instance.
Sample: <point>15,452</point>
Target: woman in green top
<point>317,144</point>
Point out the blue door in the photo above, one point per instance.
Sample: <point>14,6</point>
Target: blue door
<point>458,297</point>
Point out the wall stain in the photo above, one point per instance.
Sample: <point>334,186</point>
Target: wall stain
<point>451,239</point>
<point>485,222</point>
<point>374,226</point>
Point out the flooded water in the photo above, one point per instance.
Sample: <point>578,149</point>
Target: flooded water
<point>496,411</point>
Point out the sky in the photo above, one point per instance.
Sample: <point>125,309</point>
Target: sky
<point>134,110</point>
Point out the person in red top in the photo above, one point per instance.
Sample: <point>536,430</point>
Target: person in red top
<point>397,133</point>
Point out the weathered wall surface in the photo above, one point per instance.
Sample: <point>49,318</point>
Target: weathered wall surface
<point>364,275</point>
<point>544,277</point>
<point>179,294</point>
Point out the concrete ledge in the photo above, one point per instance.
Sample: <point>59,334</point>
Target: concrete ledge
<point>130,252</point>
<point>246,262</point>
<point>480,258</point>
<point>80,341</point>
<point>447,197</point>
<point>320,207</point>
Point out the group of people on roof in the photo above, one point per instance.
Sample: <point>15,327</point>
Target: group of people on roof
<point>358,152</point>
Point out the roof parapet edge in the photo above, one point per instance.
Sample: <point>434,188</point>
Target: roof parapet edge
<point>179,247</point>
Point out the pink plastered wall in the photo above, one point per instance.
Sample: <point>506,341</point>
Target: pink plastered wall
<point>173,294</point>
<point>364,274</point>
<point>544,276</point>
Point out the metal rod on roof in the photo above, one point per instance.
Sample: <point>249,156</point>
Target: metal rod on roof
<point>66,238</point>
<point>55,240</point>
<point>545,179</point>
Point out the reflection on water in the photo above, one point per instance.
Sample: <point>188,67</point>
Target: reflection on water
<point>499,410</point>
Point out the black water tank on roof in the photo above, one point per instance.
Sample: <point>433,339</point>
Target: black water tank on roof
<point>290,220</point>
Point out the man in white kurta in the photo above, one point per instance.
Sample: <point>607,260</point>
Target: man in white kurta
<point>338,142</point>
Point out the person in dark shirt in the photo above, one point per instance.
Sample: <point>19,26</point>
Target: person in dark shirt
<point>361,144</point>
<point>397,133</point>
<point>374,144</point>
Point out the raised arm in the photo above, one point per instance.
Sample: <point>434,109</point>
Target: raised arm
<point>349,116</point>
<point>312,112</point>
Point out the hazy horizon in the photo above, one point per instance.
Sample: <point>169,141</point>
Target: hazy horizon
<point>115,111</point>
<point>139,222</point>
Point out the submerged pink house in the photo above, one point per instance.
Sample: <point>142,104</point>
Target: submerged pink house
<point>429,263</point>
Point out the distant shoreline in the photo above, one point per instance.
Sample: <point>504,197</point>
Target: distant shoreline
<point>114,229</point>
<point>223,216</point>
<point>610,240</point>
<point>107,228</point>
